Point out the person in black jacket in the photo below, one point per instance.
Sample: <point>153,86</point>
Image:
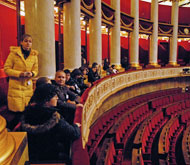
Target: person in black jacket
<point>78,79</point>
<point>68,101</point>
<point>71,83</point>
<point>93,73</point>
<point>49,135</point>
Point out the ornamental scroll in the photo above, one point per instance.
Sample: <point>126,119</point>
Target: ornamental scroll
<point>183,31</point>
<point>88,7</point>
<point>127,22</point>
<point>107,14</point>
<point>165,29</point>
<point>145,26</point>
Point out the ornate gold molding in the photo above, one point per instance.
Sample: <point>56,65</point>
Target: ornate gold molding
<point>7,143</point>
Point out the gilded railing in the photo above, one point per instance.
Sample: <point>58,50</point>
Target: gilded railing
<point>7,143</point>
<point>110,85</point>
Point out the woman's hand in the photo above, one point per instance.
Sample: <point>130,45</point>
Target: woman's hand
<point>26,74</point>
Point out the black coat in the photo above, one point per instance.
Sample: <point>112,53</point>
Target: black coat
<point>67,110</point>
<point>49,135</point>
<point>92,76</point>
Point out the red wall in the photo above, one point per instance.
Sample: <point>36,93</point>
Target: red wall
<point>125,6</point>
<point>8,31</point>
<point>107,1</point>
<point>184,15</point>
<point>144,10</point>
<point>164,13</point>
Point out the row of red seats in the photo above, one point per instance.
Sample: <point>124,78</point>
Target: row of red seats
<point>185,117</point>
<point>108,154</point>
<point>168,138</point>
<point>186,144</point>
<point>146,134</point>
<point>168,99</point>
<point>99,129</point>
<point>174,109</point>
<point>126,125</point>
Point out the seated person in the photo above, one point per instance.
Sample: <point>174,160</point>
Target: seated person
<point>49,135</point>
<point>106,64</point>
<point>40,81</point>
<point>84,71</point>
<point>93,73</point>
<point>67,100</point>
<point>79,80</point>
<point>114,70</point>
<point>109,70</point>
<point>72,83</point>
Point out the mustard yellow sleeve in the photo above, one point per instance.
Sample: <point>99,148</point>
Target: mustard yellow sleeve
<point>8,67</point>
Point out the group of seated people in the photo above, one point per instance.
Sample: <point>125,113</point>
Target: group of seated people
<point>48,118</point>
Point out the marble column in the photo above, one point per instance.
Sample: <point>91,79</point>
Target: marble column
<point>39,23</point>
<point>115,51</point>
<point>173,39</point>
<point>153,52</point>
<point>95,36</point>
<point>134,47</point>
<point>72,35</point>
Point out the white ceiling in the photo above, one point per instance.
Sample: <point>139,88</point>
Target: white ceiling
<point>182,3</point>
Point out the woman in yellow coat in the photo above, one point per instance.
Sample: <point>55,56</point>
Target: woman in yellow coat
<point>21,65</point>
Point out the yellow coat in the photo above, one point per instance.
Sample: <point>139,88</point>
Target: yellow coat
<point>20,89</point>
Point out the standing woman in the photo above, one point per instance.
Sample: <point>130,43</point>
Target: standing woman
<point>21,65</point>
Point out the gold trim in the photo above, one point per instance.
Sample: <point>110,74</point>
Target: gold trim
<point>181,32</point>
<point>173,64</point>
<point>183,36</point>
<point>125,28</point>
<point>153,65</point>
<point>126,24</point>
<point>7,143</point>
<point>165,35</point>
<point>135,66</point>
<point>107,22</point>
<point>8,5</point>
<point>86,6</point>
<point>107,18</point>
<point>169,31</point>
<point>144,28</point>
<point>87,11</point>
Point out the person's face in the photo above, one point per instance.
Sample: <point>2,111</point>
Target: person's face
<point>52,102</point>
<point>84,72</point>
<point>27,43</point>
<point>95,68</point>
<point>68,76</point>
<point>60,78</point>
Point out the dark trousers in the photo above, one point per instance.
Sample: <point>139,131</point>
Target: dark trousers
<point>15,119</point>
